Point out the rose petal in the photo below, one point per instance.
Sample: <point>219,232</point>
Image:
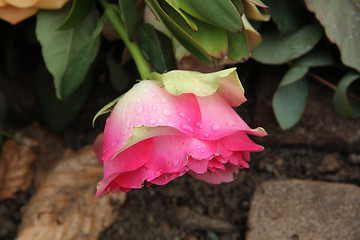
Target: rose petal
<point>150,105</point>
<point>50,4</point>
<point>98,148</point>
<point>218,118</point>
<point>130,159</point>
<point>167,177</point>
<point>125,181</point>
<point>197,165</point>
<point>21,3</point>
<point>237,158</point>
<point>170,153</point>
<point>14,15</point>
<point>217,177</point>
<point>239,141</point>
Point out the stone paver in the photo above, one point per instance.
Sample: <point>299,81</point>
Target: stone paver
<point>304,210</point>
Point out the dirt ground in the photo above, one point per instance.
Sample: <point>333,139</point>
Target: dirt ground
<point>185,208</point>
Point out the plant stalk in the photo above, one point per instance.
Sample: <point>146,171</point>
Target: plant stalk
<point>138,57</point>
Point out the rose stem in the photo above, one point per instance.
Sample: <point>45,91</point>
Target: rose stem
<point>139,59</point>
<point>330,85</point>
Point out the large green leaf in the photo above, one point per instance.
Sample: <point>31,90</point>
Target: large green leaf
<point>238,46</point>
<point>318,57</point>
<point>129,16</point>
<point>278,49</point>
<point>57,113</point>
<point>341,20</point>
<point>79,10</point>
<point>288,16</point>
<point>347,106</point>
<point>294,74</point>
<point>222,14</point>
<point>157,48</point>
<point>289,103</point>
<point>208,42</point>
<point>62,49</point>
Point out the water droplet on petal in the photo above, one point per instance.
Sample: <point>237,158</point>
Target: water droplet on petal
<point>176,162</point>
<point>166,112</point>
<point>152,121</point>
<point>231,123</point>
<point>187,127</point>
<point>215,128</point>
<point>199,125</point>
<point>114,143</point>
<point>206,135</point>
<point>198,147</point>
<point>154,108</point>
<point>189,119</point>
<point>202,150</point>
<point>163,100</point>
<point>140,109</point>
<point>181,114</point>
<point>160,120</point>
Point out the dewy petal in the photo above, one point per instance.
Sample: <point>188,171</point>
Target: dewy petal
<point>240,141</point>
<point>197,165</point>
<point>147,104</point>
<point>167,177</point>
<point>130,159</point>
<point>225,82</point>
<point>127,180</point>
<point>217,177</point>
<point>170,153</point>
<point>237,158</point>
<point>218,118</point>
<point>14,15</point>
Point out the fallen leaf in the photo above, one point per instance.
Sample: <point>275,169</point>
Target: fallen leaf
<point>64,206</point>
<point>49,151</point>
<point>15,168</point>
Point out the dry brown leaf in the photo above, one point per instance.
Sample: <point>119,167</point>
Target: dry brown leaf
<point>49,150</point>
<point>64,206</point>
<point>15,168</point>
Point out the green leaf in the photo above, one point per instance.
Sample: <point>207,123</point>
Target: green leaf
<point>238,46</point>
<point>344,105</point>
<point>57,113</point>
<point>119,77</point>
<point>278,49</point>
<point>129,16</point>
<point>181,31</point>
<point>157,48</point>
<point>107,108</point>
<point>78,67</point>
<point>341,20</point>
<point>318,57</point>
<point>64,49</point>
<point>288,17</point>
<point>289,103</point>
<point>294,74</point>
<point>79,10</point>
<point>222,14</point>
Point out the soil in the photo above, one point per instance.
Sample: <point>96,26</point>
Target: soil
<point>185,208</point>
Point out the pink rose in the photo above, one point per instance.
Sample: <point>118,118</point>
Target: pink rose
<point>182,122</point>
